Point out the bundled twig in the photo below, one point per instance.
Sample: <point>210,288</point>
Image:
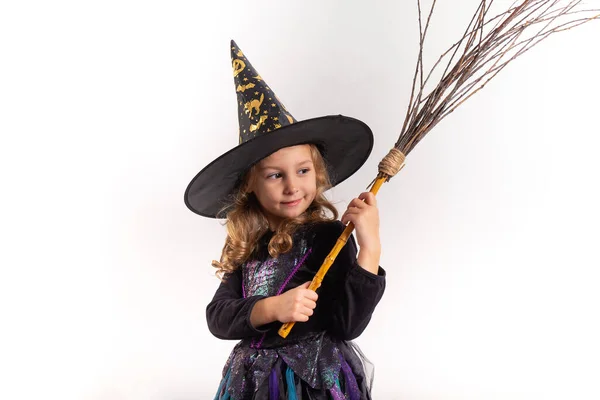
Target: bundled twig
<point>487,46</point>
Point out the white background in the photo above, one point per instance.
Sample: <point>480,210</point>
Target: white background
<point>108,109</point>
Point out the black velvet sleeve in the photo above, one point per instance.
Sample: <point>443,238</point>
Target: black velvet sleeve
<point>228,314</point>
<point>349,293</point>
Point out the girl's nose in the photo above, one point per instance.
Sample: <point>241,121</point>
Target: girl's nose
<point>290,186</point>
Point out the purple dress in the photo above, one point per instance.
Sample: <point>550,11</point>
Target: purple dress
<point>317,360</point>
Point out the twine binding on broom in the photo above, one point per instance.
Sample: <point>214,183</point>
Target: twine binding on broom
<point>391,164</point>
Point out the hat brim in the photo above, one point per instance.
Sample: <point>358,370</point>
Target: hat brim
<point>344,142</point>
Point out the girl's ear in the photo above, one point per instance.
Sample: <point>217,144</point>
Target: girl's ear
<point>248,188</point>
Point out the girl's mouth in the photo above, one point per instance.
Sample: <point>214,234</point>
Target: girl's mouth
<point>291,203</point>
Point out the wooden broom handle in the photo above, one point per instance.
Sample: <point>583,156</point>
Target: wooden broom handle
<point>284,331</point>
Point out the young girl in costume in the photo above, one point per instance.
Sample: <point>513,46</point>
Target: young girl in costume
<point>270,190</point>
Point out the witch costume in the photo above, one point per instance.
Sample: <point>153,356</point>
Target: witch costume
<point>317,360</point>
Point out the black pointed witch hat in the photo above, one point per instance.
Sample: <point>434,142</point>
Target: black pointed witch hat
<point>265,126</point>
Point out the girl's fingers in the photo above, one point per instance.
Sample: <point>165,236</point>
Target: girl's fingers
<point>357,203</point>
<point>302,314</point>
<point>307,311</point>
<point>344,218</point>
<point>300,317</point>
<point>364,200</point>
<point>369,198</point>
<point>352,212</point>
<point>309,304</point>
<point>310,296</point>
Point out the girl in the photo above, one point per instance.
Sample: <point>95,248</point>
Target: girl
<point>270,190</point>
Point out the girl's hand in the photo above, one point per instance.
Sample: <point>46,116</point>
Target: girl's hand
<point>295,305</point>
<point>365,217</point>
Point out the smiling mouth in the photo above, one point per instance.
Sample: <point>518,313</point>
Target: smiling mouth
<point>291,203</point>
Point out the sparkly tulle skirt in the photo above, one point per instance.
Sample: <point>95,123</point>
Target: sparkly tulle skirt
<point>313,367</point>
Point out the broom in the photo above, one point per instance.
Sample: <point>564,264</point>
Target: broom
<point>486,47</point>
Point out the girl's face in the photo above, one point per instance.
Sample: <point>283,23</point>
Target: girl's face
<point>285,183</point>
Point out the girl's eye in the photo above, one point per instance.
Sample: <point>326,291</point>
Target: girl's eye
<point>304,171</point>
<point>276,175</point>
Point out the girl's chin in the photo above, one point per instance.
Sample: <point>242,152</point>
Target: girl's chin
<point>291,212</point>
